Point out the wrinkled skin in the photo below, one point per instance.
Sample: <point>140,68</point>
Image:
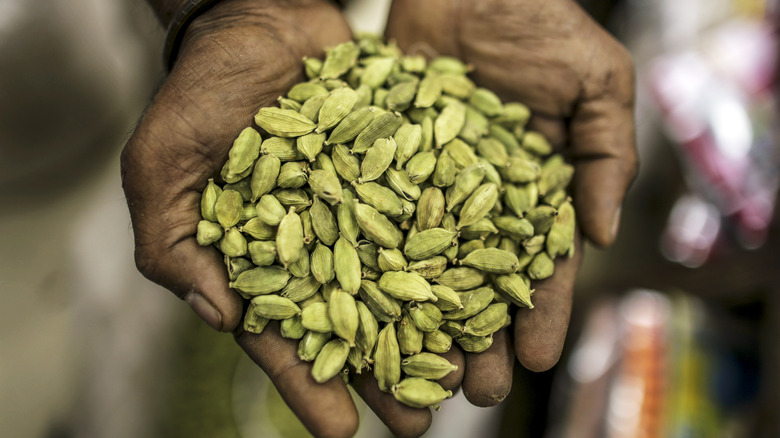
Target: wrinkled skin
<point>242,54</point>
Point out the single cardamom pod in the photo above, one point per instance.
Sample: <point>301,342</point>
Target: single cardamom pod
<point>275,307</point>
<point>282,148</point>
<point>534,245</point>
<point>475,127</point>
<point>316,318</point>
<point>536,143</point>
<point>520,170</point>
<point>352,125</point>
<point>382,126</point>
<point>486,101</point>
<point>464,184</point>
<point>311,344</point>
<point>346,164</point>
<point>541,267</point>
<point>310,145</point>
<point>289,238</point>
<point>514,114</point>
<point>493,151</point>
<point>208,200</point>
<point>437,341</point>
<point>429,91</point>
<point>426,316</point>
<point>410,338</point>
<point>448,64</point>
<point>262,280</point>
<point>343,314</point>
<point>428,243</point>
<point>407,139</point>
<point>376,227</point>
<point>478,204</point>
<point>237,265</point>
<point>542,217</point>
<point>292,198</point>
<point>244,152</point>
<point>492,260</point>
<point>430,209</point>
<point>452,328</point>
<point>406,286</point>
<point>445,171</point>
<point>521,198</point>
<point>301,288</point>
<point>381,198</point>
<point>448,299</point>
<point>419,393</point>
<point>257,229</point>
<point>469,246</point>
<point>311,108</point>
<point>228,208</point>
<point>367,332</point>
<point>312,67</point>
<point>400,96</point>
<point>474,344</point>
<point>487,321</point>
<point>377,159</point>
<point>345,215</point>
<point>421,166</point>
<point>270,210</point>
<point>427,365</point>
<point>306,90</point>
<point>283,122</point>
<point>376,73</point>
<point>514,227</point>
<point>391,260</point>
<point>322,264</point>
<point>253,322</point>
<point>308,229</point>
<point>368,253</point>
<point>461,278</point>
<point>338,61</point>
<point>330,360</point>
<point>264,176</point>
<point>384,308</point>
<point>426,143</point>
<point>456,85</point>
<point>505,137</point>
<point>323,222</point>
<point>461,153</point>
<point>336,107</point>
<point>387,358</point>
<point>262,252</point>
<point>513,287</point>
<point>291,328</point>
<point>346,265</point>
<point>398,180</point>
<point>208,233</point>
<point>560,239</point>
<point>233,243</point>
<point>449,123</point>
<point>428,268</point>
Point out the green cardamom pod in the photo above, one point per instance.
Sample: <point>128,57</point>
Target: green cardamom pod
<point>264,176</point>
<point>536,143</point>
<point>478,204</point>
<point>474,344</point>
<point>237,265</point>
<point>456,85</point>
<point>475,127</point>
<point>310,145</point>
<point>542,217</point>
<point>560,239</point>
<point>428,243</point>
<point>208,232</point>
<point>346,265</point>
<point>228,208</point>
<point>336,107</point>
<point>381,198</point>
<point>311,108</point>
<point>384,307</point>
<point>464,184</point>
<point>257,229</point>
<point>469,246</point>
<point>430,208</point>
<point>514,227</point>
<point>306,90</point>
<point>492,260</point>
<point>368,253</point>
<point>283,122</point>
<point>428,268</point>
<point>330,360</point>
<point>338,61</point>
<point>376,73</point>
<point>486,101</point>
<point>262,252</point>
<point>391,260</point>
<point>406,286</point>
<point>232,243</point>
<point>505,137</point>
<point>282,148</point>
<point>541,267</point>
<point>426,316</point>
<point>487,321</point>
<point>289,238</point>
<point>534,245</point>
<point>445,172</point>
<point>377,159</point>
<point>316,318</point>
<point>520,170</point>
<point>449,300</point>
<point>376,227</point>
<point>461,278</point>
<point>513,287</point>
<point>253,322</point>
<point>407,139</point>
<point>275,307</point>
<point>323,222</point>
<point>429,91</point>
<point>398,180</point>
<point>452,328</point>
<point>244,152</point>
<point>347,165</point>
<point>427,365</point>
<point>368,330</point>
<point>382,126</point>
<point>419,393</point>
<point>311,344</point>
<point>421,166</point>
<point>262,280</point>
<point>322,264</point>
<point>437,341</point>
<point>449,123</point>
<point>352,125</point>
<point>291,328</point>
<point>387,358</point>
<point>343,314</point>
<point>345,215</point>
<point>410,338</point>
<point>270,210</point>
<point>208,201</point>
<point>312,66</point>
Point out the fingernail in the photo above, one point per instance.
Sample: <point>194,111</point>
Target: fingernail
<point>613,230</point>
<point>204,310</point>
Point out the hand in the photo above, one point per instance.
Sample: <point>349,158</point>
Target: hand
<point>578,82</point>
<point>238,56</point>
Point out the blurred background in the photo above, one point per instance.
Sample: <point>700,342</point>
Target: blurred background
<point>674,331</point>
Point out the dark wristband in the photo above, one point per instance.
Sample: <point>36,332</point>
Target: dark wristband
<point>175,33</point>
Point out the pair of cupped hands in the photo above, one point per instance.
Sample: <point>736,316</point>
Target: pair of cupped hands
<point>241,55</point>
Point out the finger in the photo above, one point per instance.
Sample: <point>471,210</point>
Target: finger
<point>540,332</point>
<point>603,148</point>
<point>164,215</point>
<point>488,377</point>
<point>402,420</point>
<point>424,28</point>
<point>453,380</point>
<point>326,409</point>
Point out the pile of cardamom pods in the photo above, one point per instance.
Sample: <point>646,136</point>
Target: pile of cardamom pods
<point>389,208</point>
